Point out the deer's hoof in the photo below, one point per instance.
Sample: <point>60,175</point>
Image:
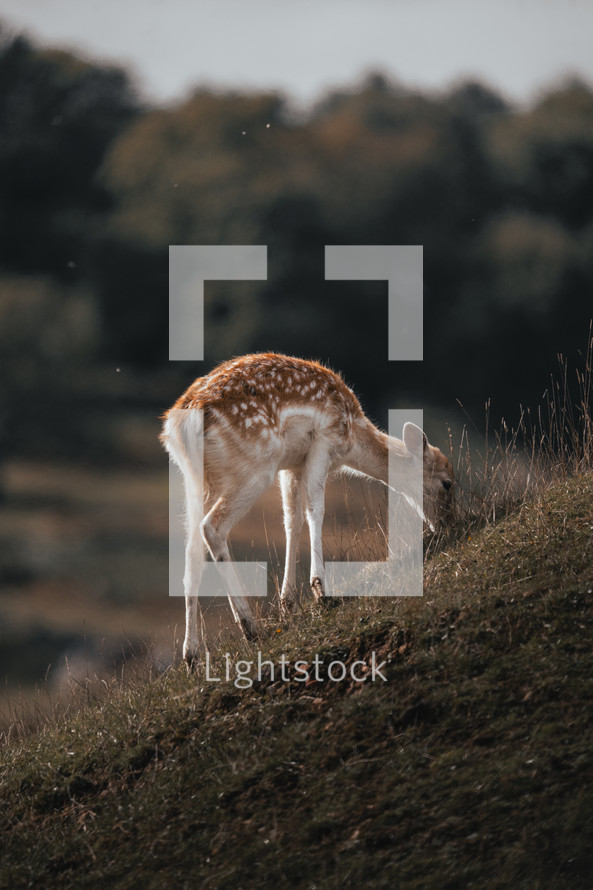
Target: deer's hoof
<point>191,661</point>
<point>317,588</point>
<point>249,629</point>
<point>286,606</point>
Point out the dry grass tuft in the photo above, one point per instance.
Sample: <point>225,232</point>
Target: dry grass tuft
<point>498,472</point>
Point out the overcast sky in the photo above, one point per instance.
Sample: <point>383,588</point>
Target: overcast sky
<point>303,47</point>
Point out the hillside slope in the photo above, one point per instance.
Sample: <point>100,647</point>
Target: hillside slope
<point>470,766</point>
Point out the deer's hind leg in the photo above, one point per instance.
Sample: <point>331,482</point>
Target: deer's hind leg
<point>216,527</point>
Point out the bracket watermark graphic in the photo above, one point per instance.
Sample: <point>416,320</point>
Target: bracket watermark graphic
<point>216,576</point>
<point>401,266</point>
<point>401,574</point>
<point>190,266</point>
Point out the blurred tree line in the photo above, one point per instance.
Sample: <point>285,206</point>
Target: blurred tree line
<point>95,186</point>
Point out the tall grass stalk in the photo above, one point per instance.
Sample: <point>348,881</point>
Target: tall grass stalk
<point>503,470</point>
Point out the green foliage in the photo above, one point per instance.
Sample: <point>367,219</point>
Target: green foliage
<point>57,117</point>
<point>544,157</point>
<point>505,227</point>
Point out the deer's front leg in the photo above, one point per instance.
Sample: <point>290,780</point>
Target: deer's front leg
<point>316,471</point>
<point>292,503</point>
<point>190,643</point>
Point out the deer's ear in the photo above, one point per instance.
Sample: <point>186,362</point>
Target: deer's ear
<point>414,439</point>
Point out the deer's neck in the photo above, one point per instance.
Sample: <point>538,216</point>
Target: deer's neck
<point>373,451</point>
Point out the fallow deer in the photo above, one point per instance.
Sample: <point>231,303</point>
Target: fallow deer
<point>268,415</point>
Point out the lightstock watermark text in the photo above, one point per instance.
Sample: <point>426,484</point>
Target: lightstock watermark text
<point>243,673</point>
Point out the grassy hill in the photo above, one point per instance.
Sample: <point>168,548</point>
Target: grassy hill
<point>470,766</point>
